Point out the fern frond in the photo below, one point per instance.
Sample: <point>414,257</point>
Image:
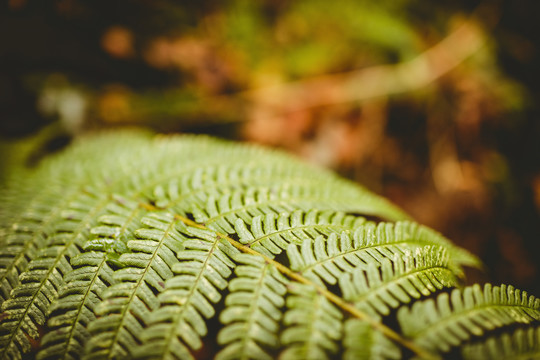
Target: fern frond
<point>16,192</point>
<point>385,286</point>
<point>131,254</point>
<point>91,275</point>
<point>52,189</point>
<point>362,342</point>
<point>313,325</point>
<point>326,259</point>
<point>178,324</point>
<point>195,185</point>
<point>221,211</point>
<point>28,232</point>
<point>203,178</point>
<point>253,310</point>
<point>519,344</point>
<point>74,309</point>
<point>453,319</point>
<point>268,171</point>
<point>126,304</point>
<point>26,311</point>
<point>271,234</point>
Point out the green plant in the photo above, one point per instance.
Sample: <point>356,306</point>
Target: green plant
<point>128,245</point>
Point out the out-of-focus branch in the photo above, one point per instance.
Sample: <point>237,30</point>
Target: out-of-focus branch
<point>376,81</point>
<point>359,85</point>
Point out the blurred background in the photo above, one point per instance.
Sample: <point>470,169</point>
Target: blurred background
<point>433,105</point>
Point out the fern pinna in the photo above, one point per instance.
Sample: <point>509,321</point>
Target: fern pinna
<point>129,245</point>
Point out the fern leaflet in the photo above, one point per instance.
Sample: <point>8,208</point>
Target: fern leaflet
<point>271,234</point>
<point>326,259</point>
<point>362,342</point>
<point>26,311</point>
<point>313,325</point>
<point>385,286</point>
<point>519,344</point>
<point>253,310</point>
<point>126,303</point>
<point>454,318</point>
<point>177,325</point>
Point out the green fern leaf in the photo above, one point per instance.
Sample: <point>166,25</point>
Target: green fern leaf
<point>75,308</point>
<point>253,310</point>
<point>178,324</point>
<point>458,317</point>
<point>519,344</point>
<point>326,259</point>
<point>394,282</point>
<point>26,311</point>
<point>27,232</point>
<point>313,325</point>
<point>362,342</point>
<point>220,212</point>
<point>269,181</point>
<point>115,228</point>
<point>271,234</point>
<point>126,303</point>
<point>195,186</point>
